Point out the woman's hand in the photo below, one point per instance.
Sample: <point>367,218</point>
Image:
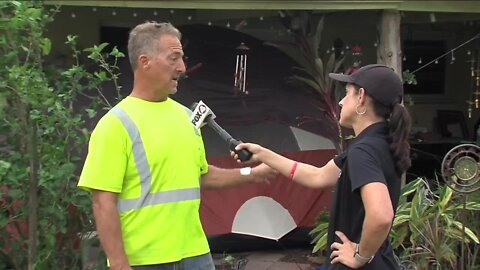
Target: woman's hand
<point>344,252</point>
<point>255,149</point>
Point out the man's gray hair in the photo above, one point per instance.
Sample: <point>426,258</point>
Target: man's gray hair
<point>144,39</point>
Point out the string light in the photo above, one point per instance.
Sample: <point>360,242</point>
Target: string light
<point>209,23</point>
<point>420,60</point>
<point>74,16</point>
<point>445,54</point>
<point>261,18</point>
<point>94,9</point>
<point>172,11</point>
<point>228,24</point>
<point>453,58</point>
<point>114,13</point>
<point>134,14</point>
<point>155,13</point>
<point>189,18</point>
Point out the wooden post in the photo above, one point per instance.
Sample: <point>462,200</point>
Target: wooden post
<point>389,51</point>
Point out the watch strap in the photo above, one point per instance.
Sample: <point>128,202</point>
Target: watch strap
<point>361,258</point>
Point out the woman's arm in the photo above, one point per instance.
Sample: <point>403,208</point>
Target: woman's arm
<point>304,174</point>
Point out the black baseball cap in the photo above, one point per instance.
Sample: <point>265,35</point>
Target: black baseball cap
<point>379,81</point>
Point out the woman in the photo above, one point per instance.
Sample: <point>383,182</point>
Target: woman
<point>367,176</point>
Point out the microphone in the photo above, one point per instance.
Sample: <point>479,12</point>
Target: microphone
<point>202,115</point>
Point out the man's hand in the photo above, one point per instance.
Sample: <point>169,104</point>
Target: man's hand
<point>344,252</point>
<point>263,173</point>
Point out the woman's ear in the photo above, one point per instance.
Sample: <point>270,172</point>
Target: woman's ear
<point>362,96</point>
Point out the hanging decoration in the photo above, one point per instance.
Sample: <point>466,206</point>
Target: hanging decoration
<point>241,68</point>
<point>474,81</point>
<point>357,52</point>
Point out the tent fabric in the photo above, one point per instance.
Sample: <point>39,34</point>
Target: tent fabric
<point>262,216</point>
<point>219,207</point>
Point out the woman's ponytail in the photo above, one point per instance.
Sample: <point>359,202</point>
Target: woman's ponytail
<point>399,125</point>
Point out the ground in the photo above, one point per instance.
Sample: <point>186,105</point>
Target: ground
<point>288,259</point>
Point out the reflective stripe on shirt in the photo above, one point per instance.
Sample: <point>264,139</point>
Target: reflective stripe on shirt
<point>146,197</point>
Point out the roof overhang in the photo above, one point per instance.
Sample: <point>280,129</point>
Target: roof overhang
<point>405,5</point>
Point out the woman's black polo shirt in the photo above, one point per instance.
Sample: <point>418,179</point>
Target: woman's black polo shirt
<point>368,159</point>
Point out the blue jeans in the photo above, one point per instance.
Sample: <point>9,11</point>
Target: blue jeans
<point>202,262</point>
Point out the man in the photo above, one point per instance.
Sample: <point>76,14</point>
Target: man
<point>144,163</point>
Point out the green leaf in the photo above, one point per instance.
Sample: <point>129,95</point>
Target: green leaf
<point>321,243</point>
<point>116,53</point>
<point>468,231</point>
<point>4,166</point>
<point>71,39</point>
<point>34,13</point>
<point>411,187</point>
<point>445,196</point>
<point>91,113</point>
<point>46,46</point>
<point>15,3</point>
<point>101,46</point>
<point>102,75</point>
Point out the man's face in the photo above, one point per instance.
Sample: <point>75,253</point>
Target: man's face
<point>167,64</point>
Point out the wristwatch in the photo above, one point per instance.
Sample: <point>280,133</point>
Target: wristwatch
<point>360,258</point>
<point>246,171</point>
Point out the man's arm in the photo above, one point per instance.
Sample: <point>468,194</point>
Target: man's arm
<point>218,178</point>
<point>378,217</point>
<point>109,229</point>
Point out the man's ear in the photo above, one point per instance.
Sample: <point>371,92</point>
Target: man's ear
<point>144,61</point>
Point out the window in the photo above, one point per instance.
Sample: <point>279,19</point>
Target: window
<point>431,79</point>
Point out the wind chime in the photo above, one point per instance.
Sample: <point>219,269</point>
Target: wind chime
<point>241,68</point>
<point>475,82</point>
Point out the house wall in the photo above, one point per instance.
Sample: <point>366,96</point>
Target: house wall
<point>351,27</point>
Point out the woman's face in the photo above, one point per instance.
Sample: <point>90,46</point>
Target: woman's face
<point>348,105</point>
